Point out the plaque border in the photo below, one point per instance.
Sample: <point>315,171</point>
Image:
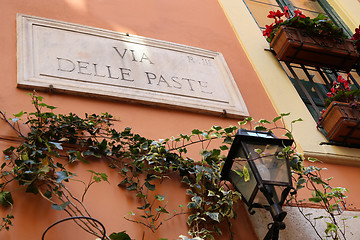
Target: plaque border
<point>28,77</point>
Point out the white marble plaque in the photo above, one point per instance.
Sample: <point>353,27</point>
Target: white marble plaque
<point>79,59</point>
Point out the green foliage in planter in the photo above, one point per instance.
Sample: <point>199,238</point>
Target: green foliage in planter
<point>39,164</point>
<point>341,91</point>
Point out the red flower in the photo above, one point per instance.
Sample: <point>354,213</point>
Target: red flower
<point>299,14</point>
<point>279,14</point>
<point>356,35</point>
<point>268,30</point>
<point>278,21</point>
<point>329,94</point>
<point>347,87</point>
<point>340,79</point>
<point>357,30</point>
<point>271,14</point>
<point>286,12</point>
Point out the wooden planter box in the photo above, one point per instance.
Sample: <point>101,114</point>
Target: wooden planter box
<point>341,123</point>
<point>293,45</point>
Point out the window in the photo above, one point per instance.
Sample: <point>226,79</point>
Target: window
<point>311,83</point>
<point>311,8</point>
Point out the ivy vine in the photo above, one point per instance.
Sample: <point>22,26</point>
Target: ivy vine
<point>39,164</point>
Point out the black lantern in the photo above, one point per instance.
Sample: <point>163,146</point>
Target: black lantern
<point>260,172</point>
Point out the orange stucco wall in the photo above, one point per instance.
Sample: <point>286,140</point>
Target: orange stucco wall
<point>191,22</point>
<point>343,176</point>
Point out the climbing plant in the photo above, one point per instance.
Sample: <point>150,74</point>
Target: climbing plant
<point>39,164</point>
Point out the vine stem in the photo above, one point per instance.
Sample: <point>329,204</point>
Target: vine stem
<point>76,212</point>
<point>12,126</point>
<point>307,219</point>
<point>89,230</point>
<point>327,209</point>
<point>146,225</point>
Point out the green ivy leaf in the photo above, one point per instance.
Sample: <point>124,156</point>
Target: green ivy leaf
<point>62,175</point>
<point>186,180</point>
<point>318,180</point>
<point>160,197</point>
<point>32,188</point>
<point>198,177</point>
<point>6,199</point>
<point>190,219</point>
<point>310,159</point>
<point>150,186</point>
<point>191,205</point>
<point>260,128</point>
<point>189,192</point>
<point>144,145</point>
<point>150,177</point>
<point>162,210</point>
<point>211,193</point>
<point>246,174</point>
<point>48,194</point>
<point>18,115</point>
<point>297,120</point>
<point>330,227</point>
<point>60,207</point>
<point>264,121</point>
<point>197,199</point>
<point>276,119</point>
<point>186,238</point>
<point>224,147</point>
<point>315,199</point>
<point>47,106</point>
<point>217,128</point>
<point>99,176</point>
<point>238,173</point>
<point>229,129</point>
<point>217,230</point>
<point>119,236</point>
<point>9,150</point>
<point>132,187</point>
<point>196,131</point>
<point>214,216</point>
<point>243,122</point>
<point>57,145</point>
<point>288,135</point>
<point>258,150</point>
<point>228,140</point>
<point>145,206</point>
<point>287,149</point>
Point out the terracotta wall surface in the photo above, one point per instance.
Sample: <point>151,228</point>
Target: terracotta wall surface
<point>191,22</point>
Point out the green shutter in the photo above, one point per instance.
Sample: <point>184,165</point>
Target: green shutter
<point>334,16</point>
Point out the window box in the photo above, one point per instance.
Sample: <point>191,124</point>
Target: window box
<point>342,123</point>
<point>293,45</point>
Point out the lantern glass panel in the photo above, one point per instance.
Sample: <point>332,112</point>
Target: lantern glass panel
<point>275,194</point>
<point>237,178</point>
<point>270,167</point>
